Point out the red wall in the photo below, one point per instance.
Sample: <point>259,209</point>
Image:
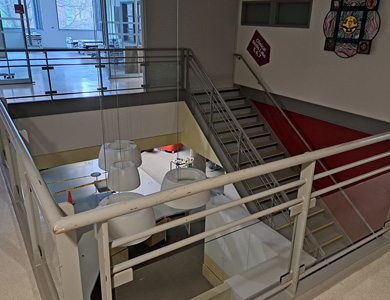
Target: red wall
<point>319,134</point>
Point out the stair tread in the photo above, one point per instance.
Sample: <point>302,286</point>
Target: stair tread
<point>236,107</point>
<point>241,116</point>
<point>252,136</point>
<point>258,147</point>
<point>288,192</point>
<point>266,157</point>
<point>294,176</point>
<point>249,126</point>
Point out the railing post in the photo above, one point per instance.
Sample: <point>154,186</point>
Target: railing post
<point>69,262</point>
<point>104,261</point>
<point>239,151</point>
<point>48,75</point>
<point>10,162</point>
<point>307,173</point>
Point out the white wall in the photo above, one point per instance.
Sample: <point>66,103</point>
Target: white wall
<point>206,26</point>
<point>59,133</point>
<point>301,69</point>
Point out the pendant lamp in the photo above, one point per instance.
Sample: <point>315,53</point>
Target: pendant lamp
<point>131,223</point>
<point>123,176</point>
<point>117,151</point>
<point>182,176</point>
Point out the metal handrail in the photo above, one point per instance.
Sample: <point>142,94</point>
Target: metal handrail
<point>145,56</point>
<point>254,155</point>
<point>48,207</point>
<point>79,220</point>
<point>261,83</point>
<point>60,225</point>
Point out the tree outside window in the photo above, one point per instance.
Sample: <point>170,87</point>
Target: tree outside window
<point>75,14</point>
<point>10,19</point>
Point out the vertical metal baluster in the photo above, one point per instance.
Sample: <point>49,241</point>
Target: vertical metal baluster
<point>48,75</point>
<point>307,173</point>
<point>104,261</point>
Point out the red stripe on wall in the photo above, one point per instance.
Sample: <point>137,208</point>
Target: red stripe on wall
<point>319,134</point>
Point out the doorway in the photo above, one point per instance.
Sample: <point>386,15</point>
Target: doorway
<point>124,30</point>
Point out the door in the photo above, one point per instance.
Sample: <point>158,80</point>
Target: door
<point>124,30</point>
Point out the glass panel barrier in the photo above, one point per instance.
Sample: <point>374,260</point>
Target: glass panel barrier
<point>72,74</point>
<point>252,248</point>
<point>163,69</point>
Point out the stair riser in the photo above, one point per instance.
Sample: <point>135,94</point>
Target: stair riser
<point>236,112</point>
<point>249,132</point>
<point>230,93</point>
<point>241,120</point>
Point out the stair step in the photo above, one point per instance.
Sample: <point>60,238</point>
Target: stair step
<point>220,90</point>
<point>276,155</point>
<point>250,126</point>
<point>239,117</point>
<point>233,108</point>
<point>257,147</point>
<point>234,98</point>
<point>250,137</point>
<point>308,216</point>
<point>268,157</point>
<point>294,176</point>
<point>322,227</point>
<point>327,243</point>
<point>226,99</point>
<point>288,192</point>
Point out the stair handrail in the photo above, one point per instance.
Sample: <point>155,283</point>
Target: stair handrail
<point>229,113</point>
<point>261,83</point>
<point>253,151</point>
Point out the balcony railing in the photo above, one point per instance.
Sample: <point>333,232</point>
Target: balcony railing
<point>73,73</point>
<point>52,232</point>
<point>52,228</point>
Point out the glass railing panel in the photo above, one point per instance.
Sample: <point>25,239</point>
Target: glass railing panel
<point>363,208</point>
<point>163,69</point>
<point>24,92</point>
<point>252,249</point>
<point>48,248</point>
<point>14,68</point>
<point>73,74</point>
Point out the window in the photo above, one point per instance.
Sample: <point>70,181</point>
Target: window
<point>78,14</point>
<point>293,14</point>
<point>276,13</point>
<point>254,13</point>
<point>10,19</point>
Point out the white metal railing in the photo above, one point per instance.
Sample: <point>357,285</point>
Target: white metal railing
<point>273,100</point>
<point>28,187</point>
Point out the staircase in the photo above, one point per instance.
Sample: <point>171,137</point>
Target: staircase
<point>242,138</point>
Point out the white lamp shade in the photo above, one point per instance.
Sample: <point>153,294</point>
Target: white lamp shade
<point>123,176</point>
<point>182,176</point>
<point>131,223</point>
<point>119,150</point>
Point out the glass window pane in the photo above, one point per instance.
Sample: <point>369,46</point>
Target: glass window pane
<point>255,13</point>
<point>10,19</point>
<point>293,14</point>
<point>75,14</point>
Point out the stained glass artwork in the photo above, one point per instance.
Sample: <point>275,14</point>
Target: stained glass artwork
<point>350,26</point>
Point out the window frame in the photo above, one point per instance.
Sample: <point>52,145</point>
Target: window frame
<point>274,13</point>
<point>97,23</point>
<point>35,15</point>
